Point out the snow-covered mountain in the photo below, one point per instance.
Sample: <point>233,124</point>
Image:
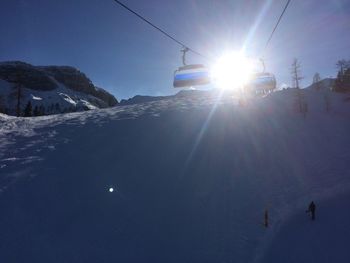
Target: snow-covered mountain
<point>142,99</point>
<point>324,84</point>
<point>182,93</point>
<point>49,89</point>
<point>191,178</point>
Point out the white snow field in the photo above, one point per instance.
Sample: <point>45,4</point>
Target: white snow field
<point>185,179</point>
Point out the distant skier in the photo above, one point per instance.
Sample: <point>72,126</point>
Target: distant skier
<point>312,209</point>
<point>266,218</point>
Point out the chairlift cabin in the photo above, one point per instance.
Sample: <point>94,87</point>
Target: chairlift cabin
<point>262,83</point>
<point>191,75</point>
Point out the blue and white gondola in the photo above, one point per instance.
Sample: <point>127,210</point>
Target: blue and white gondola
<point>191,75</point>
<point>262,83</point>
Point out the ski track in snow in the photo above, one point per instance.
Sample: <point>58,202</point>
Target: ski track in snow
<point>260,155</point>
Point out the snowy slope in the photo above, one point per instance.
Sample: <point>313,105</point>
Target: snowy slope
<point>325,240</point>
<point>324,84</point>
<point>192,177</point>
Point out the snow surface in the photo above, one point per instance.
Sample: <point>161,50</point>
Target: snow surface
<point>324,240</point>
<point>191,178</point>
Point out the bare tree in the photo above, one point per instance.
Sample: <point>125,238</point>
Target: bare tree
<point>296,74</point>
<point>316,81</point>
<point>301,105</point>
<point>300,102</point>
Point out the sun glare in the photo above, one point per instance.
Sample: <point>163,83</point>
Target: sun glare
<point>232,70</point>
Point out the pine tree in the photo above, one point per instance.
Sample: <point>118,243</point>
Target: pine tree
<point>2,105</point>
<point>17,95</point>
<point>41,110</point>
<point>52,108</point>
<point>338,85</point>
<point>36,111</point>
<point>28,110</point>
<point>342,82</point>
<point>57,108</point>
<point>342,65</point>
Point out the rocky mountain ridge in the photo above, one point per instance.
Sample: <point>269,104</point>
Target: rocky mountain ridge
<point>63,86</point>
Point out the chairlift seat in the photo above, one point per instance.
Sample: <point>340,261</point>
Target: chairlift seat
<point>263,81</point>
<point>191,75</point>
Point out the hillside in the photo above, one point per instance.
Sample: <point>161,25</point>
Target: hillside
<point>192,176</point>
<point>181,94</point>
<point>324,84</point>
<point>54,89</point>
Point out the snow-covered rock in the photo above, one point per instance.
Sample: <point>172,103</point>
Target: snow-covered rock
<point>54,89</point>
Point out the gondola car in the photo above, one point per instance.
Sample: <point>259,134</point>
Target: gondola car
<point>191,75</point>
<point>262,83</point>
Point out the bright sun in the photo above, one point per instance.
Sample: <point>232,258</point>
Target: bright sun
<point>232,70</point>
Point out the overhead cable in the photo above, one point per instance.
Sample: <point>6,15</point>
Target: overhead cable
<point>159,29</point>
<point>274,29</point>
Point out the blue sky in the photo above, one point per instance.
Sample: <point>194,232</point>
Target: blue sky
<point>127,57</point>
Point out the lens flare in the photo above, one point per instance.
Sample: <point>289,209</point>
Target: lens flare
<point>232,70</point>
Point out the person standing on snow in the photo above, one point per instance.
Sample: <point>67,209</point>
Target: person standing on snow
<point>266,218</point>
<point>312,209</point>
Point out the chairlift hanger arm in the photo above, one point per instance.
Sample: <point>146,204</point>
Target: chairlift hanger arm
<point>263,63</point>
<point>184,51</point>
